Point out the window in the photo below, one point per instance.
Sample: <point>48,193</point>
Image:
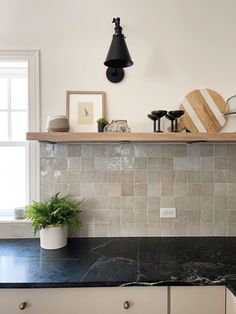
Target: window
<point>19,113</point>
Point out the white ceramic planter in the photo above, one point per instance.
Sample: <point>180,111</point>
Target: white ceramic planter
<point>53,237</point>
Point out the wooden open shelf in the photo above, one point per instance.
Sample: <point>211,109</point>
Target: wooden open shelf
<point>63,137</point>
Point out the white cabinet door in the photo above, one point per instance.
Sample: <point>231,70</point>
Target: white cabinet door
<point>197,300</point>
<point>139,300</point>
<point>230,302</point>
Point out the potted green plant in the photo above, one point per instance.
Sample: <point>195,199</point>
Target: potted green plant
<point>102,122</point>
<point>51,219</point>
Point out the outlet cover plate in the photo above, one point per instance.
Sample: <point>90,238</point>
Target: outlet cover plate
<point>169,212</point>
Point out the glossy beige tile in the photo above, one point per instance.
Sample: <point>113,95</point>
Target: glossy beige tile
<point>181,189</point>
<point>127,202</point>
<point>114,176</point>
<point>140,216</point>
<point>167,176</point>
<point>153,203</point>
<point>180,150</point>
<point>74,150</point>
<point>194,229</point>
<point>101,189</point>
<point>114,189</point>
<point>221,150</point>
<point>220,229</point>
<point>206,149</point>
<point>180,176</point>
<point>100,150</point>
<point>114,150</point>
<point>124,186</point>
<point>74,190</point>
<point>74,163</point>
<point>100,163</point>
<point>87,163</point>
<point>221,189</point>
<point>194,176</point>
<point>114,202</point>
<point>127,189</point>
<point>153,216</point>
<point>167,189</point>
<point>154,163</point>
<point>140,189</point>
<point>188,202</point>
<point>140,202</point>
<point>101,176</point>
<point>153,229</point>
<point>140,176</point>
<point>87,150</point>
<point>193,149</point>
<point>221,163</point>
<point>207,216</point>
<point>140,162</point>
<point>127,149</point>
<point>154,176</point>
<point>207,176</point>
<point>207,229</point>
<point>127,216</point>
<point>127,176</point>
<point>194,189</point>
<point>153,189</point>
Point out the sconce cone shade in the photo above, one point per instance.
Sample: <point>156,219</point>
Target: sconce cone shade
<point>118,55</point>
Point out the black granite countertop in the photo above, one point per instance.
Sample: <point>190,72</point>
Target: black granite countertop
<point>96,262</point>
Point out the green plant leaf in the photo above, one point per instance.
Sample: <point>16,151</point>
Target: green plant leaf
<point>56,211</point>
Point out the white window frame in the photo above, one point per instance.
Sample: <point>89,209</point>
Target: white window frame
<point>32,57</point>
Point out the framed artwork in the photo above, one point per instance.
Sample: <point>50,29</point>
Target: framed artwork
<point>83,109</point>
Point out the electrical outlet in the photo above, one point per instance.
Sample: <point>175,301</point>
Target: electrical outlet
<point>168,212</point>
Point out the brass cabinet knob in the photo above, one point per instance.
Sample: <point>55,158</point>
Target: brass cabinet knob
<point>22,306</point>
<point>126,305</point>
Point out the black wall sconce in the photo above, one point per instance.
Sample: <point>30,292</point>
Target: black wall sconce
<point>118,56</point>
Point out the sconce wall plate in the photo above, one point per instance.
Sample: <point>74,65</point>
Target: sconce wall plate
<point>115,75</point>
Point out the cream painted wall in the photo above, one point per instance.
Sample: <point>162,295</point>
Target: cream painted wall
<point>176,45</point>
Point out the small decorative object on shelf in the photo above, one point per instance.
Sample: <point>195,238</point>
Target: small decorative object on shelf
<point>173,117</point>
<point>154,119</point>
<point>102,122</point>
<point>231,105</point>
<point>57,124</point>
<point>19,213</point>
<point>51,218</point>
<point>204,111</point>
<point>117,126</point>
<point>156,115</point>
<point>83,109</point>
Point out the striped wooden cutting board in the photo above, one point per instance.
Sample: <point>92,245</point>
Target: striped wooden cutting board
<point>204,111</point>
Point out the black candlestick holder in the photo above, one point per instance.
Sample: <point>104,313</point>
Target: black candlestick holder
<point>158,114</point>
<point>154,119</point>
<point>173,117</point>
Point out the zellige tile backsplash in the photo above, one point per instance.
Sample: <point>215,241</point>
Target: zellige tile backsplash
<point>124,186</point>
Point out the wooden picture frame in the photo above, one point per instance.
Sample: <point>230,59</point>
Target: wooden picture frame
<point>83,109</point>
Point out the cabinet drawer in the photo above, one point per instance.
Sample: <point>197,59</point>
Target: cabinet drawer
<point>230,302</point>
<point>197,300</point>
<point>139,300</point>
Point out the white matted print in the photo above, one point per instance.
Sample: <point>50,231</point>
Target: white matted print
<point>83,109</point>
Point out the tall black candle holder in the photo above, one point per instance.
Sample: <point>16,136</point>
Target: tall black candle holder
<point>159,114</point>
<point>174,116</point>
<point>172,119</point>
<point>154,119</point>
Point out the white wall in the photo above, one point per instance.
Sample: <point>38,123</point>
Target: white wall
<point>176,46</point>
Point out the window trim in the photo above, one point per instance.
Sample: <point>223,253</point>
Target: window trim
<point>33,58</point>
